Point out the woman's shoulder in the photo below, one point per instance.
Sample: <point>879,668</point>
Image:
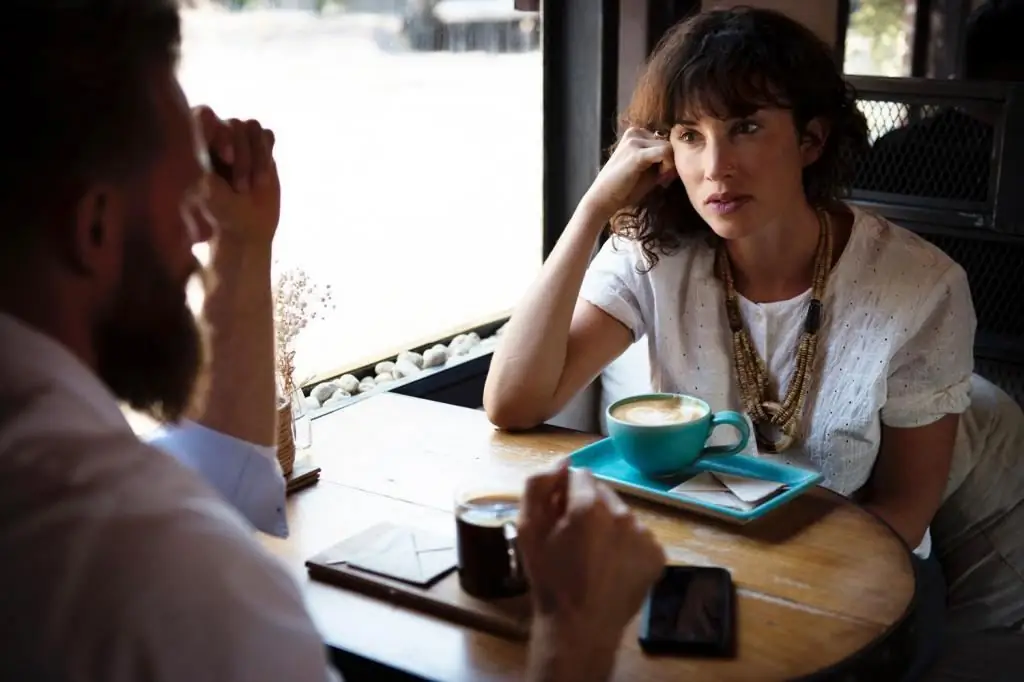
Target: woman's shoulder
<point>890,254</point>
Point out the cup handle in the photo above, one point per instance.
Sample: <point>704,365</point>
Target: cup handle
<point>730,418</point>
<point>515,565</point>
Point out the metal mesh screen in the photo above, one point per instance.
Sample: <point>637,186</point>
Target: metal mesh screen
<point>930,151</point>
<point>996,273</point>
<point>937,152</point>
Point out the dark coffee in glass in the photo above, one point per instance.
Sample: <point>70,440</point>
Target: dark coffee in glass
<point>489,563</point>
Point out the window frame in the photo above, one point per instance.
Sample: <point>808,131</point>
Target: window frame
<point>580,73</point>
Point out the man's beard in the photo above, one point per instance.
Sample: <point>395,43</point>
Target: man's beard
<point>152,351</point>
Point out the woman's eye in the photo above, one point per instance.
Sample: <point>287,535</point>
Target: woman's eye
<point>747,127</point>
<point>687,136</point>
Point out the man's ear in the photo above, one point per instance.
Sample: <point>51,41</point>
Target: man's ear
<point>96,237</point>
<point>812,142</point>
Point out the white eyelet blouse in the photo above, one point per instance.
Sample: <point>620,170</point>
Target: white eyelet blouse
<point>895,348</point>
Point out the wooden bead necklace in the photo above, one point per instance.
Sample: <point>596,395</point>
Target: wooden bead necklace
<point>751,374</point>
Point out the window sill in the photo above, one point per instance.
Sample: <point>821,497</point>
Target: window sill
<point>459,380</point>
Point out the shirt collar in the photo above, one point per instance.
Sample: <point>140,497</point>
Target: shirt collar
<point>32,360</point>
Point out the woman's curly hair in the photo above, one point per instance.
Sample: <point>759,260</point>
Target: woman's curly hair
<point>728,64</point>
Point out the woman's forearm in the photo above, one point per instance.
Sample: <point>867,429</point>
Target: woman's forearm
<point>528,363</point>
<point>908,525</point>
<point>910,476</point>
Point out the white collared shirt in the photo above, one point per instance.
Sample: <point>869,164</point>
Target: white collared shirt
<point>116,561</point>
<point>248,476</point>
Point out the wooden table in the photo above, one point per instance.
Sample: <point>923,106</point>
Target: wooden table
<point>822,584</point>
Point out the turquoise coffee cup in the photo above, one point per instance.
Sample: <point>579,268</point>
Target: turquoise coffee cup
<point>661,434</point>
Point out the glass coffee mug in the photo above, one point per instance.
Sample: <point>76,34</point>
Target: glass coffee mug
<point>490,566</point>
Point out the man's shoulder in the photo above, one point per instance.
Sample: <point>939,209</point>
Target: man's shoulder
<point>112,505</point>
<point>204,595</point>
<point>125,558</point>
<point>76,467</point>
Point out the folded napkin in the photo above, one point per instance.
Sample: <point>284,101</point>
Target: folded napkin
<point>409,554</point>
<point>726,490</point>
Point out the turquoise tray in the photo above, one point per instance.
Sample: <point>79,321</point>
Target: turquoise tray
<point>602,459</point>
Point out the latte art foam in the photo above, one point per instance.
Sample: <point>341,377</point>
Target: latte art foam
<point>658,412</point>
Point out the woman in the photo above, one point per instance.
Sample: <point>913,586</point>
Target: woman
<point>846,339</point>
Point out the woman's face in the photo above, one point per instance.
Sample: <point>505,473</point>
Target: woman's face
<point>743,173</point>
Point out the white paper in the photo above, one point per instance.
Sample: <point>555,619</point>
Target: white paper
<point>703,482</point>
<point>724,490</point>
<point>748,489</point>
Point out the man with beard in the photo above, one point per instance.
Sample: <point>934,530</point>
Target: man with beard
<point>151,350</point>
<point>117,562</point>
<point>238,316</point>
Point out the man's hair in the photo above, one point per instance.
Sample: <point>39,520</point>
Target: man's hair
<point>991,46</point>
<point>76,78</point>
<point>730,63</point>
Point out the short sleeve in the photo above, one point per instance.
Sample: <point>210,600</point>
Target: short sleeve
<point>613,284</point>
<point>930,375</point>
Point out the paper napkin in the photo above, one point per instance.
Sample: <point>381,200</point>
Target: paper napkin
<point>408,554</point>
<point>726,490</point>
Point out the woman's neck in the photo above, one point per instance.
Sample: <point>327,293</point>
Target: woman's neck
<point>776,263</point>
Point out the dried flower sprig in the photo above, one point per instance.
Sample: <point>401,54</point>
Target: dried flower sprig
<point>297,302</point>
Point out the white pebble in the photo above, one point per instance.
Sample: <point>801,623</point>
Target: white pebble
<point>411,357</point>
<point>435,357</point>
<point>405,368</point>
<point>367,384</point>
<point>383,367</point>
<point>323,392</point>
<point>384,376</point>
<point>311,403</point>
<point>337,399</point>
<point>348,383</point>
<point>472,338</point>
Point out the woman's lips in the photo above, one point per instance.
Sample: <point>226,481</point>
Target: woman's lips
<point>727,205</point>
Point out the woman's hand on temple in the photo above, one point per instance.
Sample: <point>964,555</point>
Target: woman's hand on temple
<point>641,161</point>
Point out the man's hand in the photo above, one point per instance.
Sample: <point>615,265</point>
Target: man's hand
<point>590,564</point>
<point>245,191</point>
<point>245,200</point>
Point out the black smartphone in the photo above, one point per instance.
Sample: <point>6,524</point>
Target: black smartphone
<point>690,611</point>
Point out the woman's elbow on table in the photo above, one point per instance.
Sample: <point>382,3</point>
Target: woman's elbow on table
<point>510,411</point>
<point>511,401</point>
<point>523,395</point>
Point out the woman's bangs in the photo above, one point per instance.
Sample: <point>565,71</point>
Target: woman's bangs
<point>702,91</point>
